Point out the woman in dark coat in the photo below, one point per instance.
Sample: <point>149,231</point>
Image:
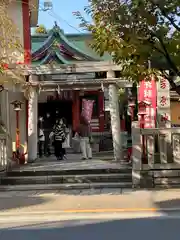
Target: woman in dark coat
<point>59,137</point>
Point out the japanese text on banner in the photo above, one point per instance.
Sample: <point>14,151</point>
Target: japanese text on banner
<point>147,93</point>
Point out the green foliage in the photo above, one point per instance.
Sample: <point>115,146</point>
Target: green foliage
<point>41,29</point>
<point>135,31</point>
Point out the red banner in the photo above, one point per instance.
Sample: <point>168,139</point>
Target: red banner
<point>148,93</point>
<point>87,109</point>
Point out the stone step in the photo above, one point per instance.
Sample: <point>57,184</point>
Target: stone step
<point>72,186</point>
<point>167,181</point>
<point>161,173</point>
<point>48,172</point>
<point>62,179</point>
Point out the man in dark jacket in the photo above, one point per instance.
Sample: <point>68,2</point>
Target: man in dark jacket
<point>84,132</point>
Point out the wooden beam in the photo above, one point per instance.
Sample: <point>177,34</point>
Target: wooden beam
<point>96,66</point>
<point>92,82</point>
<point>34,7</point>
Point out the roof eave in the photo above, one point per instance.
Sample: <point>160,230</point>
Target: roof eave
<point>34,8</point>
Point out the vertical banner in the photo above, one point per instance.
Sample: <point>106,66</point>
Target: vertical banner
<point>148,92</point>
<point>163,103</point>
<point>164,119</point>
<point>87,109</point>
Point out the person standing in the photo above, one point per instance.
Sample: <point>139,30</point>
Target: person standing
<point>84,132</point>
<point>59,137</point>
<point>41,141</point>
<point>64,144</point>
<point>47,130</point>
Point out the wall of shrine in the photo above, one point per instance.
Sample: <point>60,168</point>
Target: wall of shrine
<point>8,115</point>
<point>175,112</point>
<point>16,9</point>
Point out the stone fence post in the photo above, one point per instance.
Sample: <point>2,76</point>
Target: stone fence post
<point>136,154</point>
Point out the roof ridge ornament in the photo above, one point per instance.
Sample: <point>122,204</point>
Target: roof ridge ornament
<point>56,28</point>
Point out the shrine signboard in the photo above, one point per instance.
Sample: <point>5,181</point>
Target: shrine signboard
<point>164,118</point>
<point>163,103</point>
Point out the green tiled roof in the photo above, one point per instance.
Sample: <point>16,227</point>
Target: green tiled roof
<point>75,44</point>
<point>82,41</point>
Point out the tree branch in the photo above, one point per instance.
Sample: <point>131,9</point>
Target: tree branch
<point>164,13</point>
<point>168,58</point>
<point>172,83</point>
<point>172,65</point>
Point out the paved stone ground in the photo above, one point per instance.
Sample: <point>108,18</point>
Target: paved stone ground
<point>83,192</point>
<point>73,162</point>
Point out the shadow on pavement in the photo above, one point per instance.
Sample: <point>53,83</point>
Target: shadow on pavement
<point>125,229</point>
<point>10,203</point>
<point>167,205</point>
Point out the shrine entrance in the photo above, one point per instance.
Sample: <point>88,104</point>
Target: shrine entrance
<point>56,105</point>
<point>56,109</point>
<point>53,110</point>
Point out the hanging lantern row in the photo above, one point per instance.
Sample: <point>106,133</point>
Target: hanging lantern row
<point>61,95</point>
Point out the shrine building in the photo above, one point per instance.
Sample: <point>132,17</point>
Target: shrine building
<point>57,48</point>
<point>63,71</point>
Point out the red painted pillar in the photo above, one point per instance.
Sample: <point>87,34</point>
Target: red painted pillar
<point>123,125</point>
<point>76,110</point>
<point>101,111</point>
<point>17,131</point>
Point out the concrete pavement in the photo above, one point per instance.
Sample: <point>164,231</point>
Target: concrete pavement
<point>71,201</point>
<point>106,201</point>
<point>101,215</point>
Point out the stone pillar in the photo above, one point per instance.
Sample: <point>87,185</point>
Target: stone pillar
<point>32,125</point>
<point>136,155</point>
<point>4,109</point>
<point>101,111</point>
<point>115,118</point>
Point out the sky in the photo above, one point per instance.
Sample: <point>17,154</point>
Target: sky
<point>62,14</point>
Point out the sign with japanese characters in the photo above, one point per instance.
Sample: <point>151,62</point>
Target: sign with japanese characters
<point>163,103</point>
<point>147,93</point>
